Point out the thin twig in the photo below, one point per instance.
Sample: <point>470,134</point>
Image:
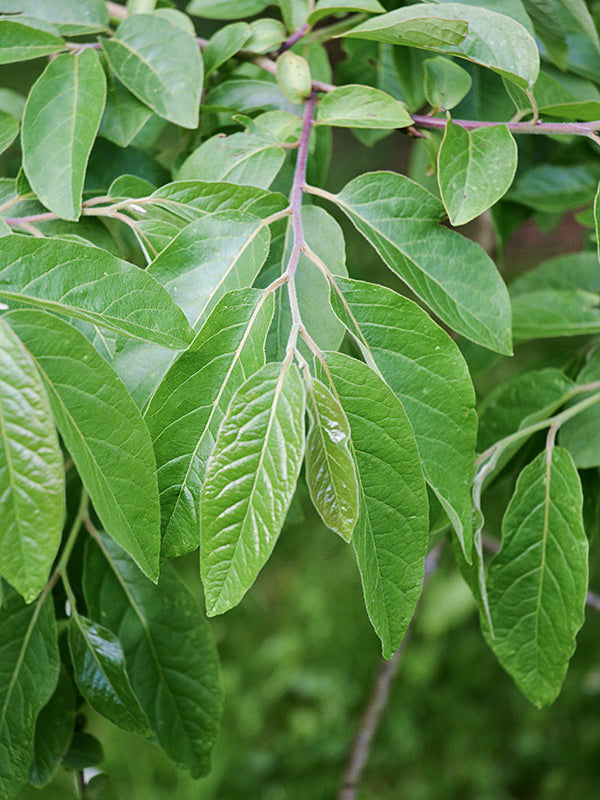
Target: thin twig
<point>295,37</point>
<point>371,718</point>
<point>537,127</point>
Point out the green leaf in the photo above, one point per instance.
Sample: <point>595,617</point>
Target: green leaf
<point>171,657</point>
<point>71,17</point>
<point>60,123</point>
<point>585,21</point>
<point>84,751</point>
<point>492,40</point>
<point>188,406</point>
<point>293,76</point>
<point>453,275</point>
<point>537,583</point>
<point>330,470</point>
<point>212,255</point>
<point>249,484</point>
<point>560,94</point>
<point>102,430</point>
<point>30,664</point>
<point>238,158</point>
<point>390,537</point>
<point>556,188</point>
<point>579,435</point>
<point>326,8</point>
<point>124,115</point>
<point>550,313</point>
<point>101,674</point>
<point>445,83</point>
<point>53,731</point>
<point>294,13</point>
<point>362,107</point>
<point>226,9</point>
<point>21,41</point>
<point>160,64</point>
<point>475,169</point>
<point>88,283</point>
<point>9,128</point>
<point>549,26</point>
<point>570,271</point>
<point>32,482</point>
<point>428,374</point>
<point>224,44</point>
<point>266,35</point>
<point>248,94</point>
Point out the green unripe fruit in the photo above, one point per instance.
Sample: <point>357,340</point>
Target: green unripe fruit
<point>293,76</point>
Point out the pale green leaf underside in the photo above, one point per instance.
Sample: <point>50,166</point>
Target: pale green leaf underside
<point>492,40</point>
<point>390,536</point>
<point>537,583</point>
<point>60,123</point>
<point>475,169</point>
<point>70,17</point>
<point>102,430</point>
<point>31,472</point>
<point>428,374</point>
<point>226,9</point>
<point>362,107</point>
<point>250,481</point>
<point>325,8</point>
<point>453,275</point>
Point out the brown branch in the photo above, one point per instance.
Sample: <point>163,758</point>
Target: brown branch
<point>371,718</point>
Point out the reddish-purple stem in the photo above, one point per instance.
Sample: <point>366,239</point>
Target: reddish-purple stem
<point>298,184</point>
<point>574,128</point>
<point>295,37</point>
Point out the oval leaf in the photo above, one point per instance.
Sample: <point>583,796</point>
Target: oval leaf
<point>22,42</point>
<point>103,431</point>
<point>32,481</point>
<point>53,731</point>
<point>362,107</point>
<point>250,481</point>
<point>60,123</point>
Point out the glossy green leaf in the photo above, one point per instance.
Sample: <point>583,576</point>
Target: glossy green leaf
<point>160,64</point>
<point>9,128</point>
<point>212,255</point>
<point>428,374</point>
<point>362,107</point>
<point>326,8</point>
<point>239,158</point>
<point>475,169</point>
<point>61,118</point>
<point>492,40</point>
<point>579,435</point>
<point>124,115</point>
<point>250,480</point>
<point>226,9</point>
<point>171,657</point>
<point>102,430</point>
<point>22,41</point>
<point>550,313</point>
<point>390,537</point>
<point>453,275</point>
<point>29,667</point>
<point>445,83</point>
<point>537,583</point>
<point>100,672</point>
<point>31,472</point>
<point>53,731</point>
<point>77,280</point>
<point>224,44</point>
<point>330,470</point>
<point>71,17</point>
<point>188,406</point>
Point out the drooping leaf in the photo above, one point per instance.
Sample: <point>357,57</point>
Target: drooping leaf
<point>124,115</point>
<point>61,118</point>
<point>31,472</point>
<point>226,9</point>
<point>53,731</point>
<point>249,484</point>
<point>102,430</point>
<point>475,169</point>
<point>330,470</point>
<point>9,128</point>
<point>71,17</point>
<point>490,39</point>
<point>224,44</point>
<point>212,255</point>
<point>453,275</point>
<point>390,536</point>
<point>170,654</point>
<point>29,665</point>
<point>22,41</point>
<point>85,282</point>
<point>161,64</point>
<point>362,107</point>
<point>428,374</point>
<point>187,408</point>
<point>445,83</point>
<point>537,583</point>
<point>101,674</point>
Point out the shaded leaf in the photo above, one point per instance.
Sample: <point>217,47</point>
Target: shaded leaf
<point>9,128</point>
<point>249,484</point>
<point>445,83</point>
<point>579,435</point>
<point>551,313</point>
<point>53,731</point>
